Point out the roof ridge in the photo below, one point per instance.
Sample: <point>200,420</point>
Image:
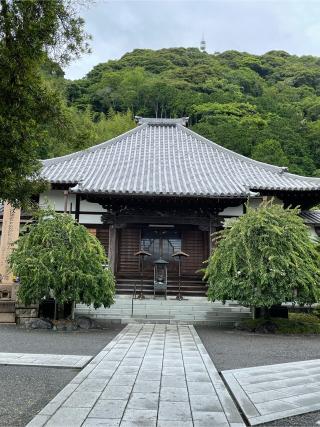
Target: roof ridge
<point>79,153</point>
<point>162,121</point>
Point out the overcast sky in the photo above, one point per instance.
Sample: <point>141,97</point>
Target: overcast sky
<point>256,26</point>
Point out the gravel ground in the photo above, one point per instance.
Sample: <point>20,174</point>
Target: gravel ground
<point>15,339</point>
<point>24,391</point>
<point>231,349</point>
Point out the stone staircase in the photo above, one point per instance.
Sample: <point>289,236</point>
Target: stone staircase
<point>194,310</point>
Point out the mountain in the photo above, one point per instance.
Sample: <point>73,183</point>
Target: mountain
<point>266,107</point>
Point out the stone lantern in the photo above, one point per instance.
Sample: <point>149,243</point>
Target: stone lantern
<point>160,281</point>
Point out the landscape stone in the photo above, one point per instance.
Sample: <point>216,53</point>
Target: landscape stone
<point>39,324</point>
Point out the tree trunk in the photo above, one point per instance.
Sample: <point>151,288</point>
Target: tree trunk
<point>72,310</point>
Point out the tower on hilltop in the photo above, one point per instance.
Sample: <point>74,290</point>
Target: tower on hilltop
<point>203,44</point>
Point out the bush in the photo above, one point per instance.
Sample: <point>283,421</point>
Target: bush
<point>265,258</point>
<point>298,323</point>
<point>57,257</point>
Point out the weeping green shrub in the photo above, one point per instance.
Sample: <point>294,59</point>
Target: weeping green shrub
<point>264,258</point>
<point>57,257</point>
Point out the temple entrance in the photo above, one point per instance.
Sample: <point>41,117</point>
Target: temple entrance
<point>161,243</point>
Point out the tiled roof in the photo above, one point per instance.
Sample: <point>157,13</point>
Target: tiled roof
<point>311,217</point>
<point>163,157</point>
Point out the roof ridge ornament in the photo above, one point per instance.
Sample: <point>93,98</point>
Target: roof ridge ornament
<point>162,121</point>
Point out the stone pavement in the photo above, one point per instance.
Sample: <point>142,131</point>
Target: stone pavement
<point>149,375</point>
<point>47,360</point>
<point>272,392</point>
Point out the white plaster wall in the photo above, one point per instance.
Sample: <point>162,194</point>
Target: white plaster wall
<point>55,198</point>
<point>232,211</point>
<point>313,233</point>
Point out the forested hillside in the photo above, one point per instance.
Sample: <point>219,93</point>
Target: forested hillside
<point>266,107</point>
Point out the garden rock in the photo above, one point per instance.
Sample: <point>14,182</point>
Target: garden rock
<point>86,323</point>
<point>65,325</point>
<point>39,324</point>
<point>267,327</point>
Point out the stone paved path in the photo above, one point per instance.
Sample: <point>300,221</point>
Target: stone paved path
<point>149,375</point>
<point>47,360</point>
<point>272,392</point>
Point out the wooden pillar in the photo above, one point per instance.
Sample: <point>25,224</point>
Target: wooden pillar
<point>10,233</point>
<point>112,246</point>
<point>66,196</point>
<point>77,212</point>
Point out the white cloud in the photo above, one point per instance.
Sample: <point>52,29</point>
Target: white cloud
<point>255,26</point>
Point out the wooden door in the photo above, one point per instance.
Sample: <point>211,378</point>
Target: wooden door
<point>195,244</point>
<point>128,245</point>
<point>161,243</point>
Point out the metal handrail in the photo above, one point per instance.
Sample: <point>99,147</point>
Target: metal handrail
<point>133,297</point>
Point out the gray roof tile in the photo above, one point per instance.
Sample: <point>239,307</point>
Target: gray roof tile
<point>163,157</point>
<point>311,217</point>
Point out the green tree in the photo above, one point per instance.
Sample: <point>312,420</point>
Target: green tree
<point>56,256</point>
<point>30,31</point>
<point>265,258</point>
<point>270,151</point>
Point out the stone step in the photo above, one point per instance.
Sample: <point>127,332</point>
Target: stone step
<point>8,318</point>
<point>192,311</point>
<point>225,323</point>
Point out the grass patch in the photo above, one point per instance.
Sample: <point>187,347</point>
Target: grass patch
<point>298,323</point>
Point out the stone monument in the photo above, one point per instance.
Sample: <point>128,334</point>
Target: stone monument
<point>10,233</point>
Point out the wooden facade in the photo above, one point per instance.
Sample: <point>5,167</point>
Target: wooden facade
<point>160,242</point>
<point>161,187</point>
<point>149,225</point>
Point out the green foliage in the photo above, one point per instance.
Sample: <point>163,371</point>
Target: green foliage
<point>77,130</point>
<point>239,100</point>
<point>270,151</point>
<point>30,31</point>
<point>298,323</point>
<point>59,257</point>
<point>265,258</point>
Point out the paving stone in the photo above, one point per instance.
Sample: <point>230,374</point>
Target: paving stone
<point>146,377</point>
<point>172,411</point>
<point>101,374</point>
<point>172,381</point>
<point>176,371</point>
<point>49,360</point>
<point>139,423</point>
<point>173,363</point>
<point>143,401</point>
<point>146,386</point>
<point>108,409</point>
<point>71,417</point>
<point>210,419</point>
<point>122,380</point>
<point>205,403</point>
<point>168,423</point>
<point>82,399</point>
<point>132,361</point>
<point>141,416</point>
<point>273,392</point>
<point>274,406</point>
<point>121,392</point>
<point>102,422</point>
<point>174,394</point>
<point>39,421</point>
<point>92,385</point>
<point>200,388</point>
